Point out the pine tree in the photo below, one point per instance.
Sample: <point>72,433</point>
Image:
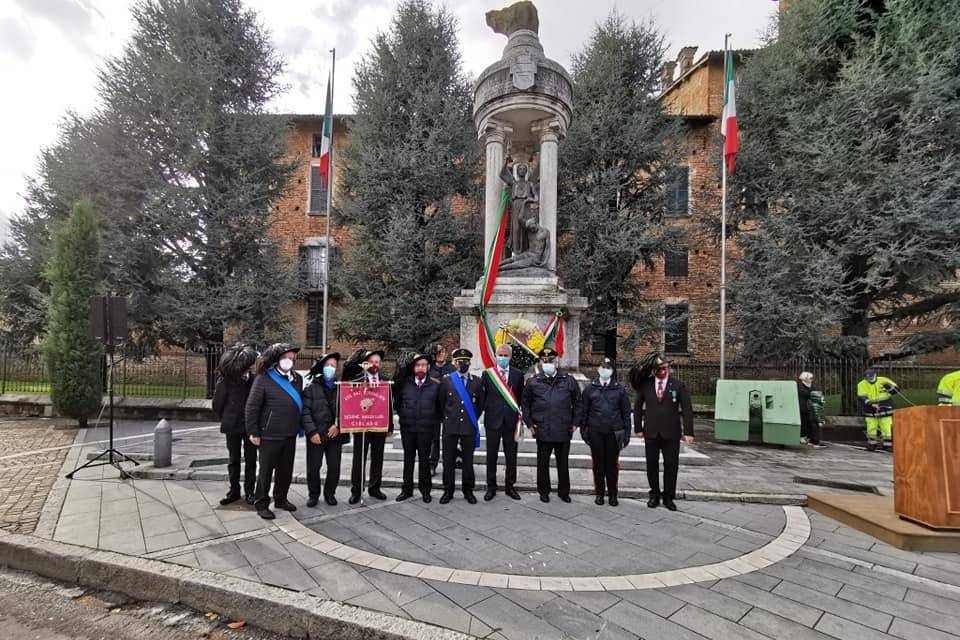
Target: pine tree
<point>849,171</point>
<point>413,151</point>
<point>73,354</point>
<point>612,172</point>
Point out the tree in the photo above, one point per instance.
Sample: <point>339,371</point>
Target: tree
<point>73,354</point>
<point>184,167</point>
<point>413,155</point>
<point>849,177</point>
<point>612,177</point>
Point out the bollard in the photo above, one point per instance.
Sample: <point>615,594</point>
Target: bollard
<point>162,444</point>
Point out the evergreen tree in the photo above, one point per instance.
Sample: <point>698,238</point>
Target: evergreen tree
<point>73,354</point>
<point>850,177</point>
<point>412,154</point>
<point>612,177</point>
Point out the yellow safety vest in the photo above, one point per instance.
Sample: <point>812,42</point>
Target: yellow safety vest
<point>948,391</point>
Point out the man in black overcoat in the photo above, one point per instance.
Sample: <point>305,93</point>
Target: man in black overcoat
<point>500,421</point>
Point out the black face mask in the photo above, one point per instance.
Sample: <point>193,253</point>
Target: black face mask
<point>463,367</point>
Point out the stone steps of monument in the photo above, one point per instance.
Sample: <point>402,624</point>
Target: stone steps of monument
<point>576,460</point>
<point>577,446</point>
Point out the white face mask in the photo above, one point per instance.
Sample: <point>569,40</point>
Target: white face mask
<point>549,369</point>
<point>604,374</point>
<point>286,364</point>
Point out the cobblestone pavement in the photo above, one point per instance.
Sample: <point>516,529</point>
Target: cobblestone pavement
<point>832,581</point>
<point>27,472</point>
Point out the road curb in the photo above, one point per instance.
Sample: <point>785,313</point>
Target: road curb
<point>270,608</point>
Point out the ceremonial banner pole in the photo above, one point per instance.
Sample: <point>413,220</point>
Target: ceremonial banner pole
<point>328,122</point>
<point>723,231</point>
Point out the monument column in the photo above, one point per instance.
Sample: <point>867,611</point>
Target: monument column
<point>549,131</point>
<point>494,135</point>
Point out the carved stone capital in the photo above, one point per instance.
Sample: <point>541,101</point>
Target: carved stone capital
<point>494,131</point>
<point>549,130</point>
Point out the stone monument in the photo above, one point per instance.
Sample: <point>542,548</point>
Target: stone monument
<point>522,107</point>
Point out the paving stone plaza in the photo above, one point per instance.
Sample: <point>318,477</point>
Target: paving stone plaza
<point>524,569</point>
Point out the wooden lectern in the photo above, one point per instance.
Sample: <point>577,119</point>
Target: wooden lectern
<point>926,465</point>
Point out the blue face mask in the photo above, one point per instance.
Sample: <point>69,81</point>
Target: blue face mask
<point>503,361</point>
<point>604,373</point>
<point>549,369</point>
<point>329,373</point>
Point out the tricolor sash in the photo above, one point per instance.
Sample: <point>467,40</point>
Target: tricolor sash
<point>503,388</point>
<point>468,405</point>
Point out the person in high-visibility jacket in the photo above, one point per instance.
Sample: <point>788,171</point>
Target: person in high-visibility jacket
<point>948,390</point>
<point>876,394</point>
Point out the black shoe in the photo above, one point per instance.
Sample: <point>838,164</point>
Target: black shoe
<point>354,498</point>
<point>544,498</point>
<point>512,493</point>
<point>653,503</point>
<point>286,505</point>
<point>379,495</point>
<point>266,514</point>
<point>249,499</point>
<point>669,504</point>
<point>565,498</point>
<point>230,498</point>
<point>470,498</point>
<point>598,501</point>
<point>445,498</point>
<point>312,501</point>
<point>427,498</point>
<point>330,500</point>
<point>613,501</point>
<point>489,495</point>
<point>404,495</point>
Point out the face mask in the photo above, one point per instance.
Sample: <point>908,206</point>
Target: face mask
<point>503,361</point>
<point>661,373</point>
<point>605,373</point>
<point>373,369</point>
<point>286,364</point>
<point>549,369</point>
<point>463,367</point>
<point>329,373</point>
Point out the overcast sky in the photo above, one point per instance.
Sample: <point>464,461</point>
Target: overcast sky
<point>50,51</point>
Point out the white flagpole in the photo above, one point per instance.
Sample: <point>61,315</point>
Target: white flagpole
<point>723,227</point>
<point>326,248</point>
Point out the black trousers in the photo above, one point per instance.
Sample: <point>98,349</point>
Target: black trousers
<point>671,464</point>
<point>605,452</point>
<point>276,464</point>
<point>237,442</point>
<point>508,438</point>
<point>450,451</point>
<point>434,447</point>
<point>372,443</point>
<point>416,448</point>
<point>561,451</point>
<point>331,450</point>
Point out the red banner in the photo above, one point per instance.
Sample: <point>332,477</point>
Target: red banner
<point>364,407</point>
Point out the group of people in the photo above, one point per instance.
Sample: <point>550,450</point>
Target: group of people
<point>263,406</point>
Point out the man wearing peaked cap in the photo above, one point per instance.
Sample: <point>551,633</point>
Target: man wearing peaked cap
<point>463,403</point>
<point>606,429</point>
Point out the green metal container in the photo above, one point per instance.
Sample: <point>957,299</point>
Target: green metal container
<point>757,411</point>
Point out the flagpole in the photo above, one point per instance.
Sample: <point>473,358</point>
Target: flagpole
<point>723,232</point>
<point>326,248</point>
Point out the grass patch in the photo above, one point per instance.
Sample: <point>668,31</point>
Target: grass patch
<point>120,391</point>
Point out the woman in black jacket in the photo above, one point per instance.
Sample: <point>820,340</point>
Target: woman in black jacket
<point>229,401</point>
<point>606,429</point>
<point>324,439</point>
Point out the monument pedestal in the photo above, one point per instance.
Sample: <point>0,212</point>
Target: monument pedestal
<point>536,299</point>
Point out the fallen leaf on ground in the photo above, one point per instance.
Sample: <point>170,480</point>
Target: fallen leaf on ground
<point>239,624</point>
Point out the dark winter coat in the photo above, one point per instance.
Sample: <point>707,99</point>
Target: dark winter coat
<point>438,371</point>
<point>271,413</point>
<point>497,415</point>
<point>320,410</point>
<point>229,404</point>
<point>654,417</point>
<point>811,406</point>
<point>552,406</point>
<point>606,408</point>
<point>456,420</point>
<point>420,408</point>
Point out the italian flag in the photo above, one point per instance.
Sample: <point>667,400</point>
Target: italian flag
<point>554,332</point>
<point>327,138</point>
<point>728,123</point>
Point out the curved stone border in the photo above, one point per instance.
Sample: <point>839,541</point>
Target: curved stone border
<point>795,533</point>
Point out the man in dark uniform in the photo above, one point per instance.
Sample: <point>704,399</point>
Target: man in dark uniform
<point>662,403</point>
<point>606,426</point>
<point>419,404</point>
<point>372,442</point>
<point>551,409</point>
<point>439,367</point>
<point>459,424</point>
<point>272,417</point>
<point>324,439</point>
<point>500,420</point>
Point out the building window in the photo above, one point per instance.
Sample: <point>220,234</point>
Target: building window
<point>314,319</point>
<point>675,264</point>
<point>676,324</point>
<point>313,266</point>
<point>317,145</point>
<point>678,186</point>
<point>598,342</point>
<point>318,195</point>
